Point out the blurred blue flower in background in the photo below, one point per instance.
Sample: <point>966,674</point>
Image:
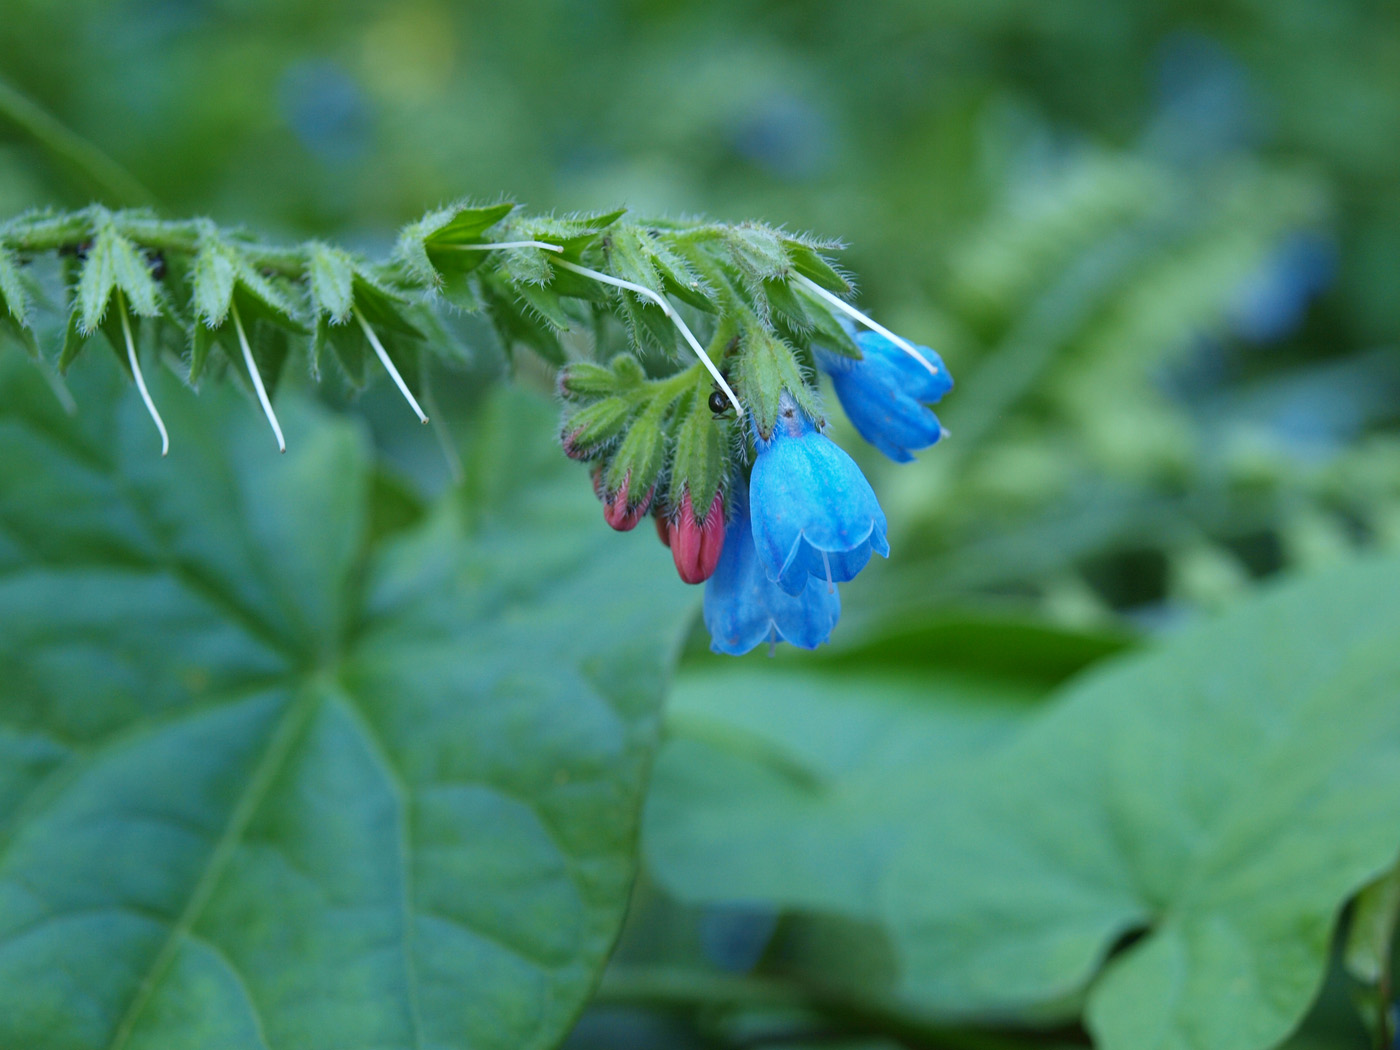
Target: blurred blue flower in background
<point>326,108</point>
<point>785,135</point>
<point>1273,303</point>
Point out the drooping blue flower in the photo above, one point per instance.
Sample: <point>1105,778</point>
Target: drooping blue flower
<point>813,512</point>
<point>744,608</point>
<point>886,394</point>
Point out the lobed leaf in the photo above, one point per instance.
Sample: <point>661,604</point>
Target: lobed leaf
<point>269,781</point>
<point>1222,796</point>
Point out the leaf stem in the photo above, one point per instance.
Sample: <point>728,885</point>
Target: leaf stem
<point>111,179</point>
<point>389,365</point>
<point>257,379</point>
<point>140,379</point>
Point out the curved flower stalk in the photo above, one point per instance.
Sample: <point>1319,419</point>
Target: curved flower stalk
<point>686,351</point>
<point>744,608</point>
<point>886,394</point>
<point>814,513</point>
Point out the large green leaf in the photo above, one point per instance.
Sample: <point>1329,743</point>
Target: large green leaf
<point>267,782</point>
<point>792,783</point>
<point>1223,795</point>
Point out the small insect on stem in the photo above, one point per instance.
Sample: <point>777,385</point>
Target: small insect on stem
<point>141,379</point>
<point>874,326</point>
<point>257,379</point>
<point>389,365</point>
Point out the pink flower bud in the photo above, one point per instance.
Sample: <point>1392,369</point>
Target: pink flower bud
<point>696,547</point>
<point>620,512</point>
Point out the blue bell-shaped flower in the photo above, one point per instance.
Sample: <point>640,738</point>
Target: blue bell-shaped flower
<point>813,512</point>
<point>744,608</point>
<point>886,394</point>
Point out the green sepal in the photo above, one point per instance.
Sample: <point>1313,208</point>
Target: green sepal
<point>132,273</point>
<point>428,249</point>
<point>271,346</point>
<point>330,275</point>
<point>586,432</point>
<point>574,233</point>
<point>202,341</point>
<point>115,338</point>
<point>629,258</point>
<point>545,303</point>
<point>702,459</point>
<point>767,367</point>
<point>641,457</point>
<point>96,280</point>
<point>584,381</point>
<point>808,262</point>
<point>223,276</point>
<point>74,340</point>
<point>648,326</point>
<point>385,311</point>
<point>788,307</point>
<point>515,324</point>
<point>628,370</point>
<point>822,328</point>
<point>679,279</point>
<point>757,252</point>
<point>14,303</point>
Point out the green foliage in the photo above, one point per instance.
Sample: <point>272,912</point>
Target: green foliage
<point>1222,795</point>
<point>1155,242</point>
<point>272,778</point>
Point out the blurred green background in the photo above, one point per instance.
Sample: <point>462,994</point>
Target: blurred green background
<point>1157,242</point>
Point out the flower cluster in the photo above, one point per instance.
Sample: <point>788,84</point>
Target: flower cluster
<point>789,515</point>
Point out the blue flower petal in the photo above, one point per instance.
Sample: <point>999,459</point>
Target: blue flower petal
<point>886,394</point>
<point>814,514</point>
<point>743,608</point>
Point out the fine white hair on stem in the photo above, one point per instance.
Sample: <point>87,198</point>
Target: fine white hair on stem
<point>389,365</point>
<point>491,246</point>
<point>676,320</point>
<point>257,379</point>
<point>874,326</point>
<point>141,379</point>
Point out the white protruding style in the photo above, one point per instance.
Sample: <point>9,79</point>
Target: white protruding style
<point>490,246</point>
<point>140,379</point>
<point>389,365</point>
<point>676,320</point>
<point>257,379</point>
<point>874,326</point>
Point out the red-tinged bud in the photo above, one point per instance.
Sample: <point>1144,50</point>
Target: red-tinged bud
<point>620,512</point>
<point>597,475</point>
<point>663,531</point>
<point>587,433</point>
<point>696,547</point>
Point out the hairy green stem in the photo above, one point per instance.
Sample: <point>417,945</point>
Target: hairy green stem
<point>106,176</point>
<point>71,230</point>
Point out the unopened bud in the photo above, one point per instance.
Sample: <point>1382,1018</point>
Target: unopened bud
<point>591,429</point>
<point>695,546</point>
